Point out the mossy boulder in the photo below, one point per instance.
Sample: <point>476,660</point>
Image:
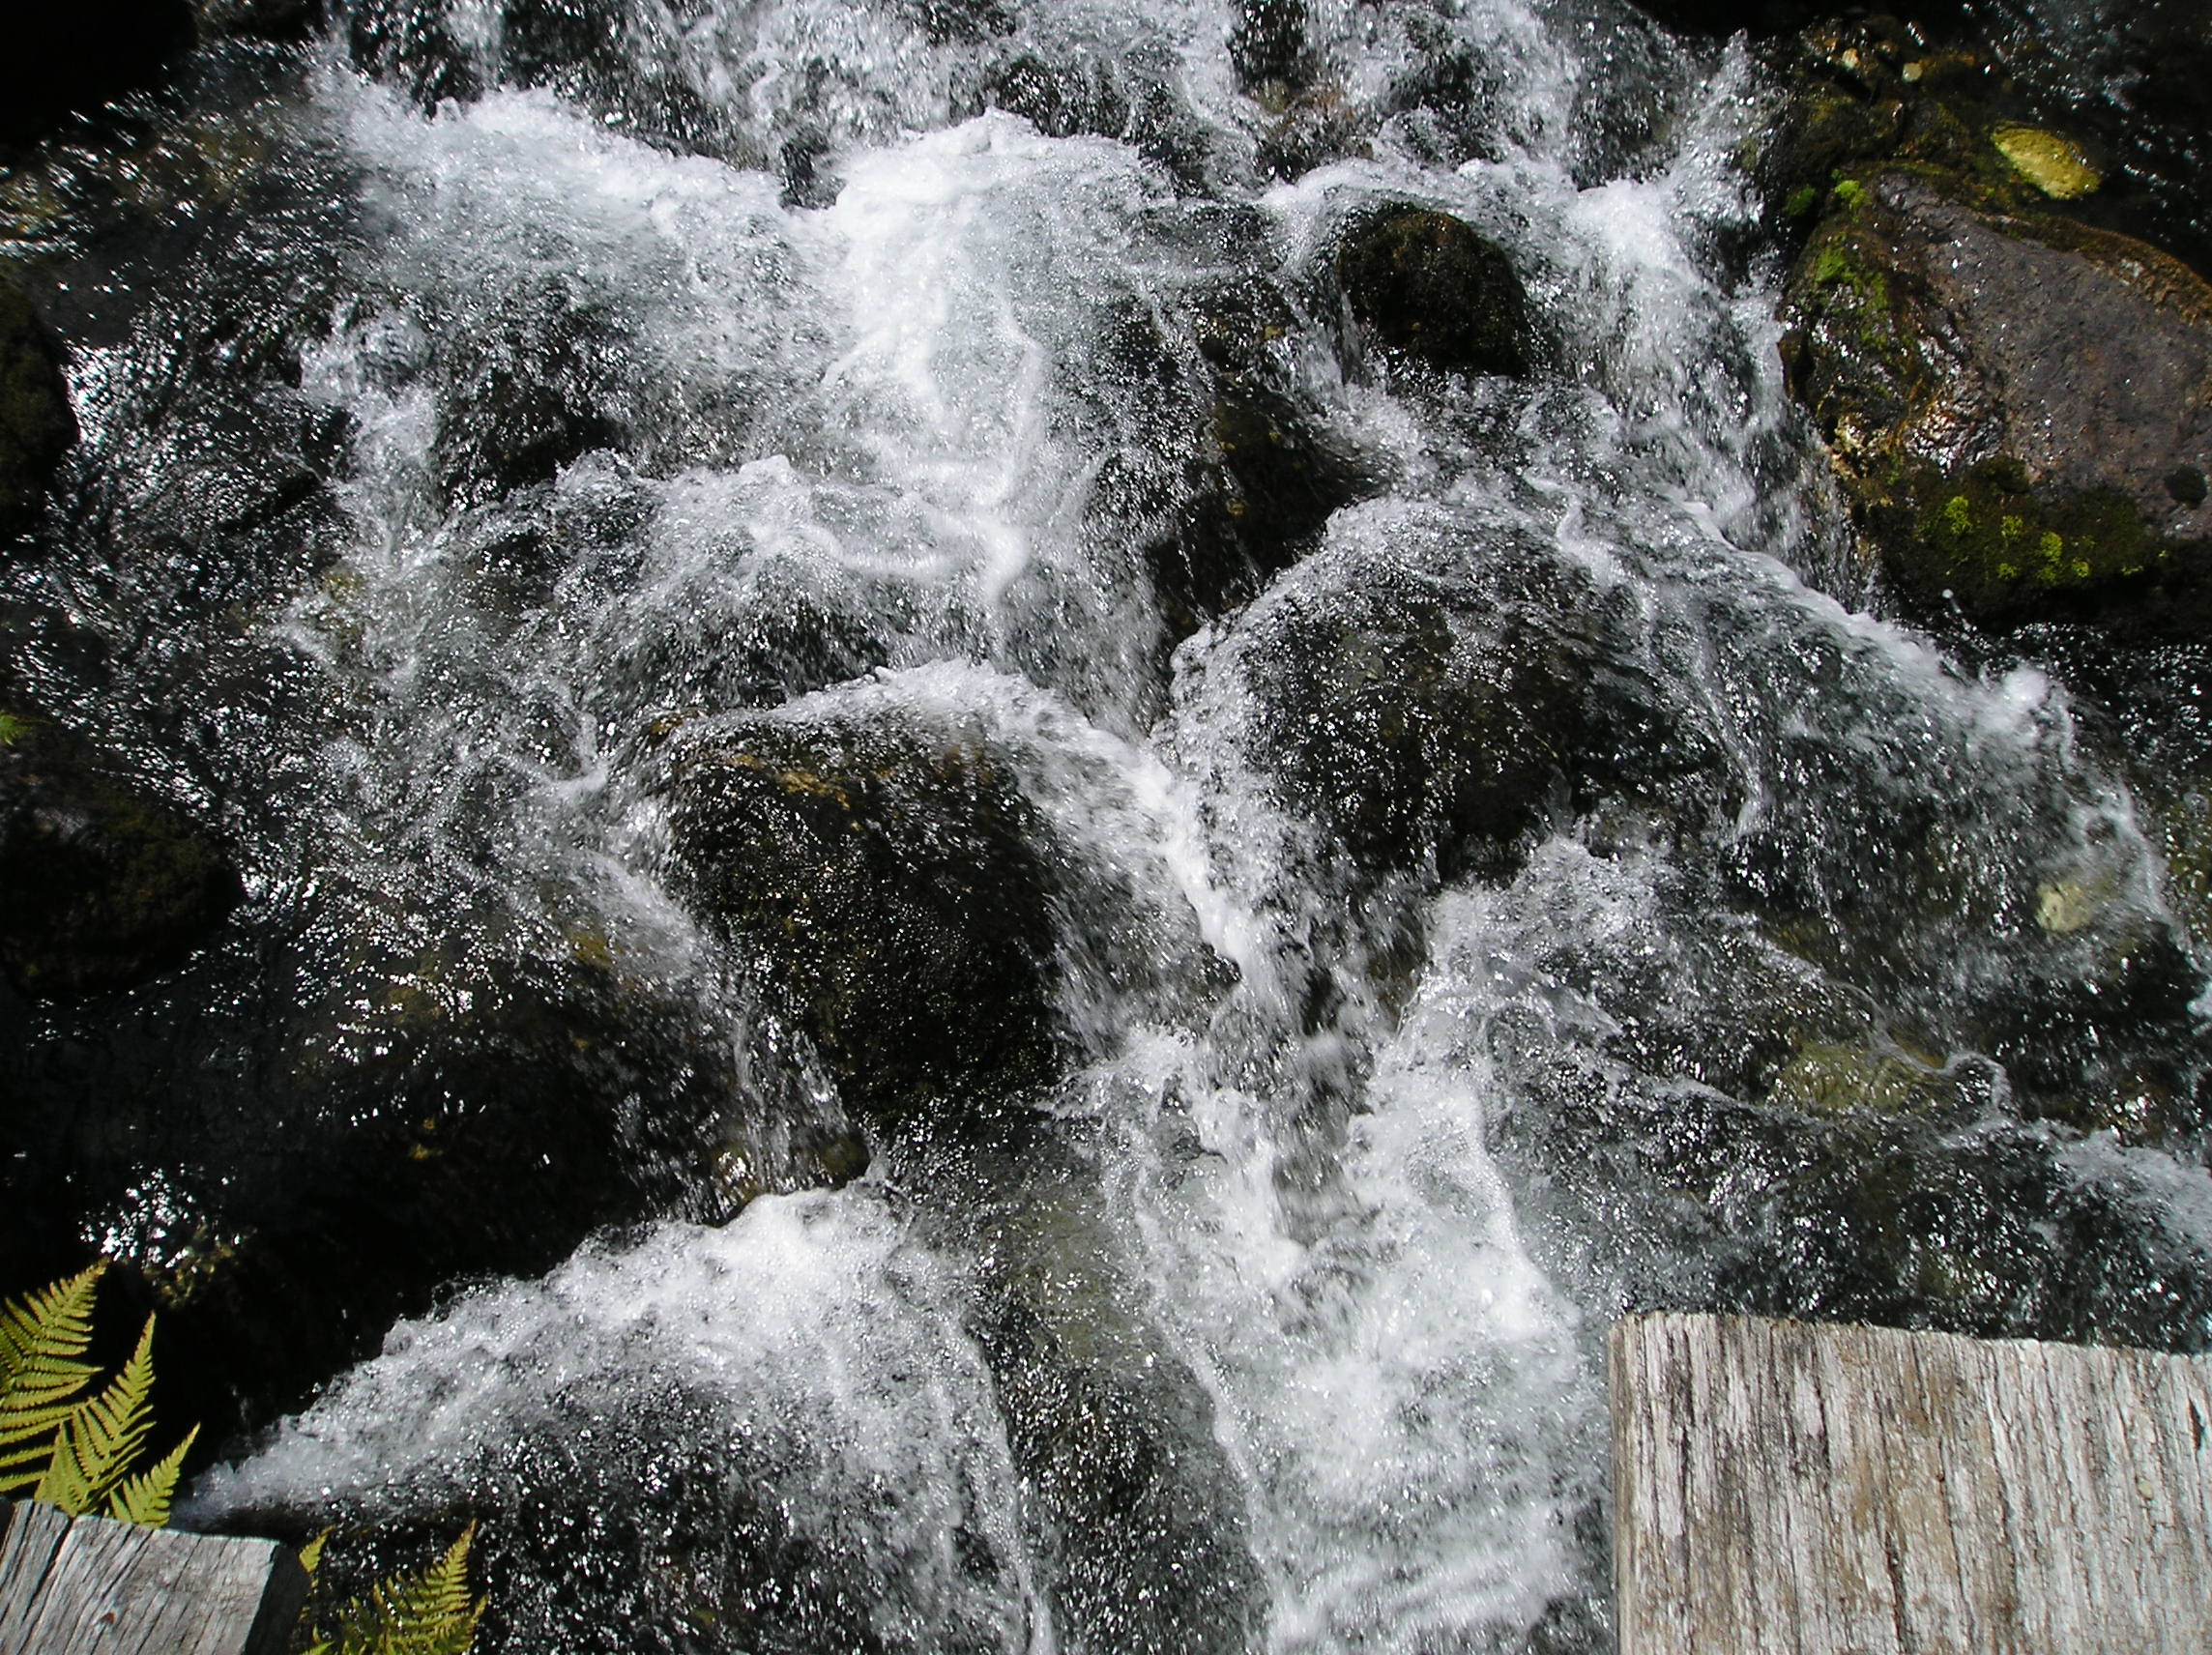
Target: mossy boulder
<point>37,425</point>
<point>56,60</point>
<point>1420,282</point>
<point>1430,709</point>
<point>2019,407</point>
<point>102,883</point>
<point>890,885</point>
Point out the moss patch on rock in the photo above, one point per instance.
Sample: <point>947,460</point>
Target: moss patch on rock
<point>2047,160</point>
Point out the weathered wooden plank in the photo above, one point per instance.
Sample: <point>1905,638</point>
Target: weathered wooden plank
<point>89,1587</point>
<point>1793,1489</point>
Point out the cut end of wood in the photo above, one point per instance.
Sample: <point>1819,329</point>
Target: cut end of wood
<point>1782,1487</point>
<point>89,1587</point>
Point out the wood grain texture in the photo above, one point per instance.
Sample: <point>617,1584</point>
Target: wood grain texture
<point>1797,1490</point>
<point>89,1587</point>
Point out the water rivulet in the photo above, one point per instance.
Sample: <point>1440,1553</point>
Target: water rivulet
<point>945,825</point>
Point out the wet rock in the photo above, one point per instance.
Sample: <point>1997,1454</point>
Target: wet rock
<point>1428,711</point>
<point>288,1162</point>
<point>59,60</point>
<point>893,889</point>
<point>1267,473</point>
<point>2017,406</point>
<point>1831,1077</point>
<point>101,885</point>
<point>1137,98</point>
<point>1676,1196</point>
<point>414,46</point>
<point>624,63</point>
<point>1110,1432</point>
<point>1268,46</point>
<point>522,400</point>
<point>37,425</point>
<point>1420,282</point>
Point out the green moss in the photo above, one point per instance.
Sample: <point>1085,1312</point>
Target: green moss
<point>1849,192</point>
<point>1986,538</point>
<point>2046,160</point>
<point>1802,200</point>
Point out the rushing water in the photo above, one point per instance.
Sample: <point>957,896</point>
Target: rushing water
<point>1273,1322</point>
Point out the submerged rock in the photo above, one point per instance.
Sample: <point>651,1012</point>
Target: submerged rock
<point>101,885</point>
<point>2020,407</point>
<point>1422,282</point>
<point>1110,1432</point>
<point>1428,709</point>
<point>893,889</point>
<point>37,425</point>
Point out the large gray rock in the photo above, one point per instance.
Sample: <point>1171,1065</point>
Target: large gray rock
<point>2020,407</point>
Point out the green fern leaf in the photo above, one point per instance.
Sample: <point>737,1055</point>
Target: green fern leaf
<point>425,1613</point>
<point>102,1437</point>
<point>144,1500</point>
<point>42,1339</point>
<point>311,1556</point>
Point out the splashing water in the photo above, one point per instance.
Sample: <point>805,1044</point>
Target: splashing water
<point>708,367</point>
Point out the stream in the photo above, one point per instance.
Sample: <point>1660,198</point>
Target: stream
<point>1039,1036</point>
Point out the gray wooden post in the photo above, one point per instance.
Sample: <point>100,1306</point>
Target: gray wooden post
<point>89,1587</point>
<point>1794,1489</point>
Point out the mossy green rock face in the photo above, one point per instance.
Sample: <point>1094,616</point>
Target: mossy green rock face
<point>1421,282</point>
<point>890,887</point>
<point>2019,408</point>
<point>36,423</point>
<point>101,885</point>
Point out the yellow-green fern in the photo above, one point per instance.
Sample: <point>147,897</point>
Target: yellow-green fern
<point>424,1613</point>
<point>102,1437</point>
<point>57,1444</point>
<point>43,1341</point>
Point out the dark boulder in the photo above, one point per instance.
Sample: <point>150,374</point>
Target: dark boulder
<point>298,1150</point>
<point>522,400</point>
<point>1267,472</point>
<point>56,60</point>
<point>890,885</point>
<point>1426,710</point>
<point>37,425</point>
<point>101,885</point>
<point>2020,407</point>
<point>1421,282</point>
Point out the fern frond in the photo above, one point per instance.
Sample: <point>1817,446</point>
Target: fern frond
<point>144,1500</point>
<point>42,1339</point>
<point>102,1436</point>
<point>311,1556</point>
<point>425,1613</point>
